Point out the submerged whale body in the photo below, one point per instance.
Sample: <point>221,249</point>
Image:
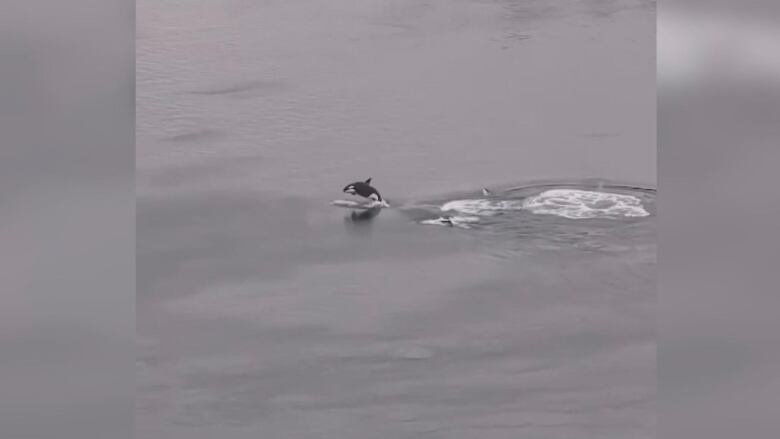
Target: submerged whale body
<point>364,215</point>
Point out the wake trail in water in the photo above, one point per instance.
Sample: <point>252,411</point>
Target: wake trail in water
<point>605,201</point>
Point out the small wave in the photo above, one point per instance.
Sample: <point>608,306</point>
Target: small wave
<point>581,204</point>
<point>455,221</point>
<point>567,203</point>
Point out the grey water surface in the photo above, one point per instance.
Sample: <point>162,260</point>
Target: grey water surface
<point>265,312</point>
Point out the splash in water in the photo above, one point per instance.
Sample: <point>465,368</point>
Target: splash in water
<point>582,204</point>
<point>563,202</point>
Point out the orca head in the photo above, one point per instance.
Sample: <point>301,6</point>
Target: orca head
<point>350,189</point>
<point>362,188</point>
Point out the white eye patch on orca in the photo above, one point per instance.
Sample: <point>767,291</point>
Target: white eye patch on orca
<point>374,196</point>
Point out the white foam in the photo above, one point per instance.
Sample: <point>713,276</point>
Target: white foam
<point>580,204</point>
<point>349,203</point>
<point>567,203</point>
<point>353,204</point>
<point>480,206</point>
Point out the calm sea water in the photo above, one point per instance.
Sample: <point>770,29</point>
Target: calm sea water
<point>264,311</point>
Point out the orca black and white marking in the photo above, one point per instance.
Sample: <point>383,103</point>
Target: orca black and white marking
<point>365,190</point>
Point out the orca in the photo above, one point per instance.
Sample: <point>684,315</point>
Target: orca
<point>365,190</point>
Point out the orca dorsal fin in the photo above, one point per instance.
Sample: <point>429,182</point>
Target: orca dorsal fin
<point>368,181</point>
